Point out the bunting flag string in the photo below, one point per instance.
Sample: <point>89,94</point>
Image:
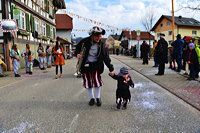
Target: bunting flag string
<point>86,30</point>
<point>92,21</point>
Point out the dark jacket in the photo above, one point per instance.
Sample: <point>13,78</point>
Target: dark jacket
<point>178,46</point>
<point>145,48</point>
<point>123,87</point>
<point>192,57</point>
<point>162,51</point>
<point>102,56</point>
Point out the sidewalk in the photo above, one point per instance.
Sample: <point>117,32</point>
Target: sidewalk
<point>176,83</point>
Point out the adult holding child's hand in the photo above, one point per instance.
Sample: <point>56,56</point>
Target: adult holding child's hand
<point>92,66</point>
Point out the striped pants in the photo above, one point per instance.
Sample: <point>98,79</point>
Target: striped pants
<point>92,79</point>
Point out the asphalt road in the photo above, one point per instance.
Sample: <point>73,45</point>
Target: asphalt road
<point>43,104</point>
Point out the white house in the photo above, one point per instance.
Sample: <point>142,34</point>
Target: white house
<point>129,39</point>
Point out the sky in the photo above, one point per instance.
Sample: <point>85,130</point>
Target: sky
<point>123,14</point>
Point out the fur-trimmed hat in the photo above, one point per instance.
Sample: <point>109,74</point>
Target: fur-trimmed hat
<point>97,30</point>
<point>124,70</point>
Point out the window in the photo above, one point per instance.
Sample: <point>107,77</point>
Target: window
<point>37,25</point>
<point>30,3</point>
<point>168,23</point>
<point>194,32</point>
<point>161,25</point>
<point>43,29</point>
<point>21,21</point>
<point>51,32</point>
<point>169,33</point>
<point>50,8</point>
<point>42,4</point>
<point>36,8</point>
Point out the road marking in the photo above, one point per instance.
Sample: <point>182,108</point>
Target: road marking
<point>73,124</point>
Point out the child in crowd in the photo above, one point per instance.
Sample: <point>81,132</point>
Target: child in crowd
<point>123,95</point>
<point>192,60</point>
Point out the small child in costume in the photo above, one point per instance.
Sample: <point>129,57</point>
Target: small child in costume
<point>123,95</point>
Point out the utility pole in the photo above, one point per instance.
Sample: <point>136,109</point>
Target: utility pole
<point>172,20</point>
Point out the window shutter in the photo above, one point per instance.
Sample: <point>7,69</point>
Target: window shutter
<point>32,24</point>
<point>46,6</point>
<point>27,22</point>
<point>54,33</point>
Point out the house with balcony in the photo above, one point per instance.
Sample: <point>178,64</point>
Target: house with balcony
<point>182,25</point>
<point>64,26</point>
<point>36,24</point>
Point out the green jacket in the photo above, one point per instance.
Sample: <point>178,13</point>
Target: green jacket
<point>197,48</point>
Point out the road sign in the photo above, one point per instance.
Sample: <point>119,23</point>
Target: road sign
<point>138,38</point>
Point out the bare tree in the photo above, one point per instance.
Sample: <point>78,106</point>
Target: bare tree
<point>148,19</point>
<point>193,5</point>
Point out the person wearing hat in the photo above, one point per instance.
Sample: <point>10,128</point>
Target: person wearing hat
<point>192,60</point>
<point>123,95</point>
<point>187,41</point>
<point>93,60</point>
<point>178,51</point>
<point>161,54</point>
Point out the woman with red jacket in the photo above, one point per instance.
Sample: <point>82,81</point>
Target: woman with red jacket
<point>59,52</point>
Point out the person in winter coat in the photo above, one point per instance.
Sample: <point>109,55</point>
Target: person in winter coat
<point>59,61</point>
<point>192,60</point>
<point>187,41</point>
<point>93,59</point>
<point>178,51</point>
<point>197,48</point>
<point>145,49</point>
<point>154,54</point>
<point>161,54</point>
<point>48,56</point>
<point>123,95</point>
<point>41,56</point>
<point>29,59</point>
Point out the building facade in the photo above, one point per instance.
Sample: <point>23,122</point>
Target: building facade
<point>36,24</point>
<point>113,43</point>
<point>64,26</point>
<point>183,26</point>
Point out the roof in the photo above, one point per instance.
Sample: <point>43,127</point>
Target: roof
<point>180,21</point>
<point>143,35</point>
<point>64,22</point>
<point>115,37</point>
